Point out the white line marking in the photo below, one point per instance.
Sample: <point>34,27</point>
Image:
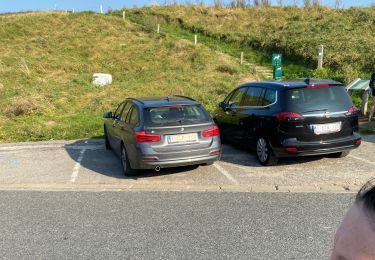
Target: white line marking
<point>361,159</point>
<point>74,176</point>
<point>225,173</point>
<point>237,166</point>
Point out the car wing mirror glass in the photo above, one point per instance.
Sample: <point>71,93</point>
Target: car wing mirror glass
<point>108,115</point>
<point>233,107</point>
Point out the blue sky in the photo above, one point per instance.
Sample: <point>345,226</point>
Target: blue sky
<point>80,5</point>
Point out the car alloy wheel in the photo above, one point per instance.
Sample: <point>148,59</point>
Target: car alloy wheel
<point>262,150</point>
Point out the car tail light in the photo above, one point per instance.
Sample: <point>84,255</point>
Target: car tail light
<point>318,86</point>
<point>215,152</point>
<point>288,116</point>
<point>150,159</point>
<point>211,132</point>
<point>142,137</point>
<point>358,141</point>
<point>292,149</point>
<point>352,110</point>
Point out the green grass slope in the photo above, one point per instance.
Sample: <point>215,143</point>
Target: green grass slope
<point>47,61</point>
<point>347,34</point>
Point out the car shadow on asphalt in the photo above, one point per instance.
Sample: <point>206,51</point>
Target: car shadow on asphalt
<point>92,155</point>
<point>244,156</point>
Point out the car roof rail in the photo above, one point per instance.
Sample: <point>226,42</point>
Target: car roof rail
<point>181,96</point>
<point>135,99</point>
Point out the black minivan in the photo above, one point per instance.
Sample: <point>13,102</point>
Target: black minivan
<point>295,118</point>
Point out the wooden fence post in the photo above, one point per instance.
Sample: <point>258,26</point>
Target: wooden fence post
<point>241,60</point>
<point>320,57</point>
<point>195,39</point>
<point>158,30</point>
<point>123,15</point>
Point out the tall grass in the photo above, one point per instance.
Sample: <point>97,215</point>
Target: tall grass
<point>47,61</point>
<point>347,34</point>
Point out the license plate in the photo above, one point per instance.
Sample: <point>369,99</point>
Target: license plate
<point>326,128</point>
<point>182,138</point>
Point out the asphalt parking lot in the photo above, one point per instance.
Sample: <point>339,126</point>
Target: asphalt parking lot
<point>86,165</point>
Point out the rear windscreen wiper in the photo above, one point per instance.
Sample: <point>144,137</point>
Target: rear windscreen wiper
<point>316,110</point>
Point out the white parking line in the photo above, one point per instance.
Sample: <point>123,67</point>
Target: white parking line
<point>361,159</point>
<point>225,173</point>
<point>74,176</point>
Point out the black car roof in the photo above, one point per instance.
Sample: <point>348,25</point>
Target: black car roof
<point>164,101</point>
<point>293,83</point>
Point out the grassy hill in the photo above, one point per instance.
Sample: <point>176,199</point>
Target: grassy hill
<point>347,34</point>
<point>47,61</point>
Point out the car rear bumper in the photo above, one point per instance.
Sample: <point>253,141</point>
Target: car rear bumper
<point>292,147</point>
<point>176,162</point>
<point>145,157</point>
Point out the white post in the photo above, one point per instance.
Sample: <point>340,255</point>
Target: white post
<point>195,39</point>
<point>241,57</point>
<point>123,15</point>
<point>158,30</point>
<point>364,103</point>
<point>66,11</point>
<point>73,11</point>
<point>320,57</point>
<point>101,9</point>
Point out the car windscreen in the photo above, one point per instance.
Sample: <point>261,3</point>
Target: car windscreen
<point>304,100</point>
<point>176,115</point>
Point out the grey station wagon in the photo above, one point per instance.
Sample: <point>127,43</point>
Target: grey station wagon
<point>155,133</point>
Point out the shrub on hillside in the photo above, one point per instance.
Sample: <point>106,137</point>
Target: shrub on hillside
<point>225,68</point>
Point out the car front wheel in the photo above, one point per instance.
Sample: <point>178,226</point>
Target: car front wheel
<point>264,152</point>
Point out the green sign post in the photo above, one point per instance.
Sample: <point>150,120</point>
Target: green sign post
<point>277,69</point>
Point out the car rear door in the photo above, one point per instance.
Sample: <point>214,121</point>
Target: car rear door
<point>119,126</point>
<point>251,113</point>
<point>321,113</point>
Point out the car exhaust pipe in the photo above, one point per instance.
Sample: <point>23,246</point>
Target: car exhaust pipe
<point>157,169</point>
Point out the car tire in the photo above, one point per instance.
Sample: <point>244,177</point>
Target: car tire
<point>107,144</point>
<point>127,169</point>
<point>264,152</point>
<point>340,154</point>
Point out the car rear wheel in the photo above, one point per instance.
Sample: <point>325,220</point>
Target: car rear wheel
<point>264,152</point>
<point>127,169</point>
<point>107,144</point>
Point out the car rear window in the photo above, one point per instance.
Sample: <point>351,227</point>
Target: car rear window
<point>176,115</point>
<point>332,99</point>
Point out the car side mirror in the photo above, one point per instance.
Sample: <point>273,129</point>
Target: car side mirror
<point>108,115</point>
<point>222,105</point>
<point>233,107</point>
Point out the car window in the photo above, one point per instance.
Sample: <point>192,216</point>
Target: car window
<point>176,115</point>
<point>118,111</point>
<point>237,96</point>
<point>253,97</point>
<point>333,98</point>
<point>134,117</point>
<point>269,98</point>
<point>125,111</point>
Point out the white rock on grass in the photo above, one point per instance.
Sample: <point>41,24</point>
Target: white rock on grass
<point>102,79</point>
